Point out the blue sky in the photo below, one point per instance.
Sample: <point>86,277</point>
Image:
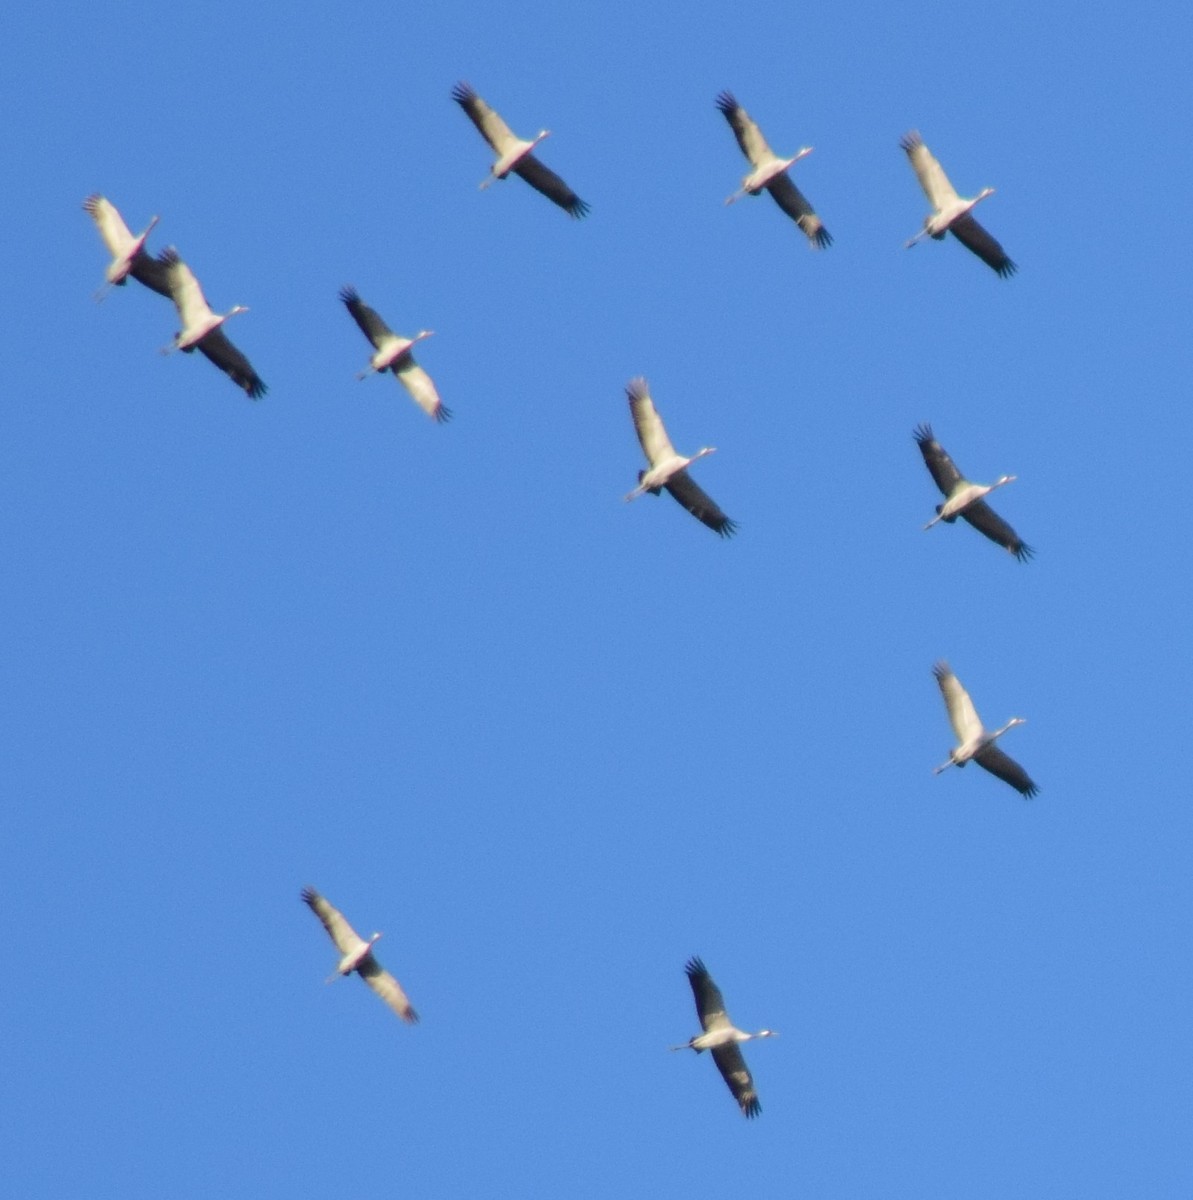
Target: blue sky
<point>553,744</point>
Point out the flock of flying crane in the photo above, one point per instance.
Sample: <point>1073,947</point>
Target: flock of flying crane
<point>169,276</point>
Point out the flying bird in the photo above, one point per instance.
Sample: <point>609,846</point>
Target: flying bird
<point>201,327</point>
<point>964,499</point>
<point>770,172</point>
<point>951,211</point>
<point>667,468</point>
<point>974,741</point>
<point>392,353</point>
<point>722,1038</point>
<point>128,252</point>
<point>357,955</point>
<point>514,153</point>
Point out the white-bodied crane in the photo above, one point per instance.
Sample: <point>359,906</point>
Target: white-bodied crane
<point>356,954</point>
<point>201,327</point>
<point>128,252</point>
<point>770,172</point>
<point>950,211</point>
<point>392,353</point>
<point>515,153</point>
<point>722,1038</point>
<point>974,741</point>
<point>667,468</point>
<point>964,498</point>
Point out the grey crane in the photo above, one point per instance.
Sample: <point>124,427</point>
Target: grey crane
<point>950,211</point>
<point>667,468</point>
<point>770,172</point>
<point>201,327</point>
<point>964,498</point>
<point>974,741</point>
<point>128,252</point>
<point>515,153</point>
<point>356,954</point>
<point>722,1037</point>
<point>392,353</point>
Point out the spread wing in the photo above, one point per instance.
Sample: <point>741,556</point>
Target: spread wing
<point>745,129</point>
<point>218,349</point>
<point>710,1005</point>
<point>962,715</point>
<point>543,179</point>
<point>937,460</point>
<point>648,425</point>
<point>115,233</point>
<point>736,1074</point>
<point>1006,768</point>
<point>151,273</point>
<point>929,172</point>
<point>985,520</point>
<point>699,503</point>
<point>493,129</point>
<point>795,204</point>
<point>387,987</point>
<point>370,324</point>
<point>974,237</point>
<point>184,289</point>
<point>421,388</point>
<point>345,937</point>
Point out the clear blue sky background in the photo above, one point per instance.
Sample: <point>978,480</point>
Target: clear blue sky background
<point>550,743</point>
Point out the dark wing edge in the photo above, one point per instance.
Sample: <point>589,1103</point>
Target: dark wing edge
<point>936,458</point>
<point>796,205</point>
<point>1001,765</point>
<point>151,273</point>
<point>736,1074</point>
<point>217,349</point>
<point>543,179</point>
<point>700,504</point>
<point>706,993</point>
<point>975,238</point>
<point>986,521</point>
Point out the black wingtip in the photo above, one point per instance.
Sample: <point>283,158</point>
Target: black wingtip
<point>821,239</point>
<point>308,895</point>
<point>255,388</point>
<point>751,1108</point>
<point>349,294</point>
<point>463,92</point>
<point>726,101</point>
<point>1030,792</point>
<point>443,414</point>
<point>1022,551</point>
<point>579,208</point>
<point>910,140</point>
<point>695,967</point>
<point>923,434</point>
<point>1006,268</point>
<point>726,528</point>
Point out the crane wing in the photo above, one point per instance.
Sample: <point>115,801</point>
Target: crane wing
<point>116,234</point>
<point>736,1074</point>
<point>929,172</point>
<point>184,289</point>
<point>745,129</point>
<point>652,435</point>
<point>793,202</point>
<point>974,237</point>
<point>710,1005</point>
<point>151,273</point>
<point>940,466</point>
<point>986,521</point>
<point>370,324</point>
<point>543,179</point>
<point>992,759</point>
<point>962,715</point>
<point>216,348</point>
<point>387,987</point>
<point>699,503</point>
<point>493,129</point>
<point>345,937</point>
<point>421,388</point>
